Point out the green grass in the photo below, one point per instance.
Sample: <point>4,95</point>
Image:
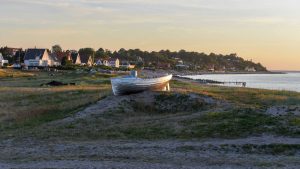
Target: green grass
<point>256,98</point>
<point>169,103</point>
<point>149,132</point>
<point>238,123</point>
<point>24,102</point>
<point>295,121</point>
<point>183,114</point>
<point>129,122</point>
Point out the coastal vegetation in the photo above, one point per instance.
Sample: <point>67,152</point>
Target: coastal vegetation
<point>22,96</point>
<point>165,59</point>
<point>84,121</point>
<point>168,59</point>
<point>190,111</point>
<point>254,98</point>
<point>14,74</point>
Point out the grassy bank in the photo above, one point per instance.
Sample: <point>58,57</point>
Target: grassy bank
<point>191,111</point>
<point>5,73</point>
<point>24,101</point>
<point>257,98</point>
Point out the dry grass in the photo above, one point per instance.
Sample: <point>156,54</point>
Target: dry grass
<point>25,105</point>
<point>4,73</point>
<point>166,116</point>
<point>19,104</point>
<point>256,98</point>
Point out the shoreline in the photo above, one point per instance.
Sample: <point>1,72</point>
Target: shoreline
<point>227,73</point>
<point>193,73</point>
<point>235,84</point>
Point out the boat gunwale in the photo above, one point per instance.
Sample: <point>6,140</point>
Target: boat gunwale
<point>134,78</point>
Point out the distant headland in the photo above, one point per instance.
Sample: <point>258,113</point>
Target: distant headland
<point>182,61</point>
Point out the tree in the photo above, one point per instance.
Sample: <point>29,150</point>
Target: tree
<point>122,52</point>
<point>87,52</point>
<point>65,61</point>
<point>101,54</point>
<point>5,52</point>
<point>56,49</point>
<point>139,65</point>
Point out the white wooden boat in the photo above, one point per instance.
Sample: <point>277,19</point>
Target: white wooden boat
<point>133,84</point>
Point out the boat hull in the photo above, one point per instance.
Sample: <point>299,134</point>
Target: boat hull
<point>124,86</point>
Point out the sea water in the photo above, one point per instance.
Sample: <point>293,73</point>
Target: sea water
<point>289,81</point>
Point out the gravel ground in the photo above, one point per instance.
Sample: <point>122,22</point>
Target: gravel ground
<point>144,154</point>
<point>284,110</point>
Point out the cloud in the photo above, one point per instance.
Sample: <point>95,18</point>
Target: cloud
<point>151,11</point>
<point>55,3</point>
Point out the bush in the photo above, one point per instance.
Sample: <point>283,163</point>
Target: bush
<point>68,67</point>
<point>5,65</point>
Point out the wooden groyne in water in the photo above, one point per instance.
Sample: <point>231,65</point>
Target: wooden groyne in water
<point>207,81</point>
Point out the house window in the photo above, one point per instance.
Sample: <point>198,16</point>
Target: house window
<point>33,63</point>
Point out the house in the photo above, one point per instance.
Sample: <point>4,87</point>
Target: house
<point>86,60</point>
<point>73,57</point>
<point>55,59</point>
<point>164,65</point>
<point>2,60</point>
<point>250,69</point>
<point>105,62</point>
<point>182,66</point>
<point>99,62</point>
<point>16,66</point>
<point>131,66</point>
<point>38,58</point>
<point>76,59</point>
<point>211,68</point>
<point>61,55</point>
<point>140,59</point>
<point>114,63</point>
<point>179,61</point>
<point>232,69</point>
<point>126,64</point>
<point>102,62</point>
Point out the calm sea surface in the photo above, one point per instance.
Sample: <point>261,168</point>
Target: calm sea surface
<point>289,81</point>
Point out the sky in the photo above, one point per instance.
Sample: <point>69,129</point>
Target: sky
<point>265,31</point>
